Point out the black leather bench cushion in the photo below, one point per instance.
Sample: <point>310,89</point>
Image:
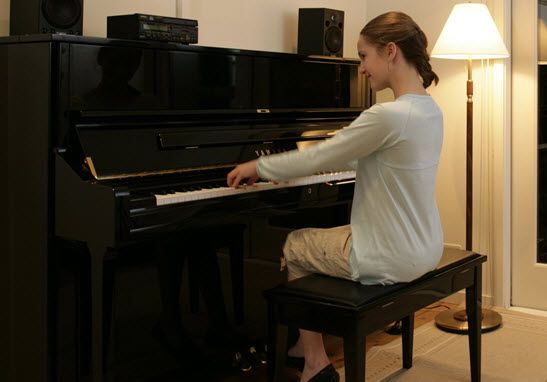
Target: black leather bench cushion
<point>352,294</point>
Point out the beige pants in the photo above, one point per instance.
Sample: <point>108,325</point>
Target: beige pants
<point>318,250</point>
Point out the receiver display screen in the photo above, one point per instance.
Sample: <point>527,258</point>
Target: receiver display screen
<point>155,27</point>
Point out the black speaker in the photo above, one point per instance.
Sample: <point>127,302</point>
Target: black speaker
<point>46,16</point>
<point>320,31</point>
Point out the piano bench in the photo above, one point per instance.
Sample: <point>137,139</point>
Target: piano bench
<point>352,311</point>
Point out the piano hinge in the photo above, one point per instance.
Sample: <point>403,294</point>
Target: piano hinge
<point>91,166</point>
<point>88,164</point>
<point>341,182</point>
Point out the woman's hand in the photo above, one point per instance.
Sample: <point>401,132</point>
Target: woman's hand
<point>241,172</point>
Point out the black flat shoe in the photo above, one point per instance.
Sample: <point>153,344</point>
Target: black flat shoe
<point>327,374</point>
<point>395,328</point>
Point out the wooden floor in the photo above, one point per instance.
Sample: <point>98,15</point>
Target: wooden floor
<point>334,345</point>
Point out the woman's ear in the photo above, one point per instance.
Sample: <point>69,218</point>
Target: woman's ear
<point>391,50</point>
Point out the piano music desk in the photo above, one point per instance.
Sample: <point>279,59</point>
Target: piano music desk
<point>352,311</point>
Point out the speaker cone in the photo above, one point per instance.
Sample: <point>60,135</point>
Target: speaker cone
<point>61,13</point>
<point>333,39</point>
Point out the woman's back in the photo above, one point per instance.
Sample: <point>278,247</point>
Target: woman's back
<point>397,235</point>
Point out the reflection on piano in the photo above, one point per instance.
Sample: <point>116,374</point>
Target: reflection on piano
<point>113,142</point>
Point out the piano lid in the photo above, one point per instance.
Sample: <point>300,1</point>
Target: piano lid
<point>118,77</point>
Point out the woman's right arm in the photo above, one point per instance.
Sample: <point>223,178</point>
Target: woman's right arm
<point>365,135</point>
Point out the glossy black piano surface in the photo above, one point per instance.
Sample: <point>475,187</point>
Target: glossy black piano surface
<point>132,78</point>
<point>97,128</point>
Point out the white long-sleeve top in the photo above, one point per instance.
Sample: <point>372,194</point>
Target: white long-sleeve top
<point>394,148</point>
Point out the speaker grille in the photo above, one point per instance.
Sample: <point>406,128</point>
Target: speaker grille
<point>320,31</point>
<point>61,13</point>
<point>333,39</point>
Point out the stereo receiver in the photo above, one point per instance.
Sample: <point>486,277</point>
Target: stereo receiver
<point>148,27</point>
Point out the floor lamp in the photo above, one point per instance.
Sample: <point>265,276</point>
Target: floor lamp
<point>469,33</point>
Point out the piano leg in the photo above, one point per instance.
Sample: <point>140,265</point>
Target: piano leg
<point>109,268</point>
<point>234,238</point>
<point>210,286</point>
<point>92,309</point>
<point>236,270</point>
<point>170,263</point>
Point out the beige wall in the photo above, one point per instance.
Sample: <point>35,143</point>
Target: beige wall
<point>266,24</point>
<point>4,17</point>
<point>96,11</point>
<point>542,30</point>
<point>450,95</point>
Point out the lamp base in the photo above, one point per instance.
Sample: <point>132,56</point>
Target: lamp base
<point>456,321</point>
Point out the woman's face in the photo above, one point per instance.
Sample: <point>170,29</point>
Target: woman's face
<point>374,64</point>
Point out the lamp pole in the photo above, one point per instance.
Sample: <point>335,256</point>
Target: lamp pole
<point>469,161</point>
<point>461,315</point>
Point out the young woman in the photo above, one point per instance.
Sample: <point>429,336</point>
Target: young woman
<point>395,233</point>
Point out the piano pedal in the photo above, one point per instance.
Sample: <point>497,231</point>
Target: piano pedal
<point>258,357</point>
<point>241,362</point>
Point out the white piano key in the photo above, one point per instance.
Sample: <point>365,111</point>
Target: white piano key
<point>218,192</point>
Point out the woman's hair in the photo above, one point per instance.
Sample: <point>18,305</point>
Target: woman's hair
<point>400,29</point>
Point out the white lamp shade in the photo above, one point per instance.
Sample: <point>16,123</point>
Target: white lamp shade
<point>469,33</point>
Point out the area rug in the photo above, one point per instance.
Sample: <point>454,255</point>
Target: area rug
<point>516,352</point>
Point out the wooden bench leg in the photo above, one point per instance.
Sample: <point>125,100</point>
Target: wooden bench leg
<point>408,340</point>
<point>354,356</point>
<point>473,306</point>
<point>277,345</point>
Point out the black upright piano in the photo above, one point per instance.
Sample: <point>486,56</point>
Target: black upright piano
<point>112,142</point>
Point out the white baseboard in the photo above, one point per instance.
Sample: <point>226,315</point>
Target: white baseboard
<point>453,246</point>
<point>534,312</point>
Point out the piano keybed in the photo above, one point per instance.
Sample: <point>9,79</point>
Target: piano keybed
<point>211,191</point>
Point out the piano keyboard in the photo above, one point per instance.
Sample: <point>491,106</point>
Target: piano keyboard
<point>218,192</point>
